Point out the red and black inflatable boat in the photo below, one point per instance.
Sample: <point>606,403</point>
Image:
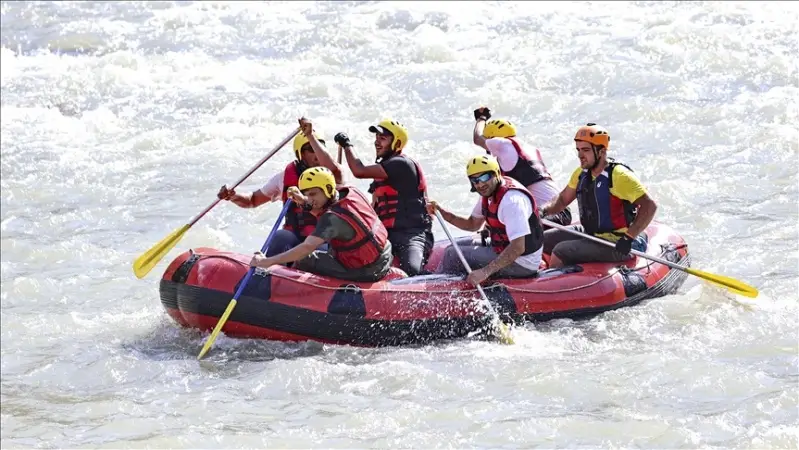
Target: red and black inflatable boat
<point>290,305</point>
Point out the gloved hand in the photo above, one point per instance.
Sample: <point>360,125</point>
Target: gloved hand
<point>624,245</point>
<point>225,193</point>
<point>342,139</point>
<point>482,112</point>
<point>542,212</point>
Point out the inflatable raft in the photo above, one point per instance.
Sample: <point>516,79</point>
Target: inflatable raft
<point>290,305</point>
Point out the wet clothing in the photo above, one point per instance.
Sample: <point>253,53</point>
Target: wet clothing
<point>400,200</point>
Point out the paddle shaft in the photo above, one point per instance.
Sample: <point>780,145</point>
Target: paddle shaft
<point>247,175</point>
<point>465,263</point>
<point>265,247</point>
<point>611,244</point>
<point>250,272</point>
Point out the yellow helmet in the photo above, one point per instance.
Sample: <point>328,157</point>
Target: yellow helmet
<point>396,129</point>
<point>480,164</point>
<point>499,128</point>
<point>593,134</point>
<point>300,140</point>
<point>318,177</point>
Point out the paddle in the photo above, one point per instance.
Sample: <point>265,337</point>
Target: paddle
<point>244,282</point>
<point>144,263</point>
<point>732,284</point>
<point>499,327</point>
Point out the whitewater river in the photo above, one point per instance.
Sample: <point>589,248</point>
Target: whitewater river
<point>120,121</point>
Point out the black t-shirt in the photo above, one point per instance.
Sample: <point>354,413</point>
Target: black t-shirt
<point>402,175</point>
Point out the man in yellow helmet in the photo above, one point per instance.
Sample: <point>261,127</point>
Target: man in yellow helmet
<point>509,212</point>
<point>399,193</point>
<point>359,249</point>
<point>300,221</point>
<point>498,138</point>
<point>613,204</point>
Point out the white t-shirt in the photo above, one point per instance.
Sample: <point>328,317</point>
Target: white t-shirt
<point>273,188</point>
<point>514,210</point>
<point>543,191</point>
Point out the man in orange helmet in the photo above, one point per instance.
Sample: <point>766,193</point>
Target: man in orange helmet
<point>300,221</point>
<point>614,205</point>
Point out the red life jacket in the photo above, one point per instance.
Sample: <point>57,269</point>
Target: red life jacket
<point>601,211</point>
<point>527,170</point>
<point>370,235</point>
<point>299,220</point>
<point>401,212</point>
<point>497,231</point>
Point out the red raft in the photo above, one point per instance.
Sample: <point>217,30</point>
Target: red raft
<point>290,305</point>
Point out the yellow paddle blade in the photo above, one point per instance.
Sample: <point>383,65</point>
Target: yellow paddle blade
<point>732,284</point>
<point>503,333</point>
<point>145,263</point>
<point>500,331</point>
<point>217,329</point>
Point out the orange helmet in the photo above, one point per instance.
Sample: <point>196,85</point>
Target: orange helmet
<point>593,134</point>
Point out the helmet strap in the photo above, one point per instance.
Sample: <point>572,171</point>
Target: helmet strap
<point>596,156</point>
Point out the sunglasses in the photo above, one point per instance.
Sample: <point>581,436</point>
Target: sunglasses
<point>484,178</point>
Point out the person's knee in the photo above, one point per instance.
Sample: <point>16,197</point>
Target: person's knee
<point>283,240</point>
<point>568,252</point>
<point>412,258</point>
<point>450,262</point>
<point>552,238</point>
<point>412,252</point>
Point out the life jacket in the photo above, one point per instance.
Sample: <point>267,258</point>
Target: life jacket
<point>601,211</point>
<point>370,235</point>
<point>401,211</point>
<point>299,219</point>
<point>527,170</point>
<point>496,229</point>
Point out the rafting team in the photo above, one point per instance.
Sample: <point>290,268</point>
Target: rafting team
<point>332,229</point>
